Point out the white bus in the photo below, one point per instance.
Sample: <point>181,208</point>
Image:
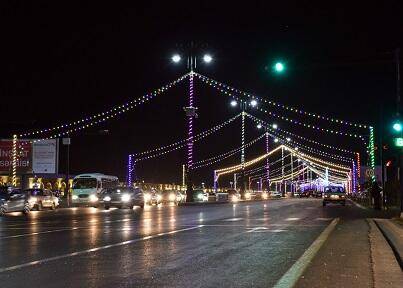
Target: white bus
<point>87,188</point>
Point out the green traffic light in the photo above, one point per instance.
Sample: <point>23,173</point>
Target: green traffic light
<point>397,126</point>
<point>279,67</point>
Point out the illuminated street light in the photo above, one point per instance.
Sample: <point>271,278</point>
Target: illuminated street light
<point>274,126</point>
<point>253,103</point>
<point>207,58</point>
<point>259,126</point>
<point>176,58</point>
<point>234,103</point>
<point>288,139</point>
<point>276,140</point>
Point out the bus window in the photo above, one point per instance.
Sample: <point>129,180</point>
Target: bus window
<point>85,183</point>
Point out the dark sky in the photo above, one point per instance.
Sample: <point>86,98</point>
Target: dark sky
<point>61,61</point>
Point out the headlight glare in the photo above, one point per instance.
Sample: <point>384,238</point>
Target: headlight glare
<point>125,197</point>
<point>93,198</point>
<point>107,198</point>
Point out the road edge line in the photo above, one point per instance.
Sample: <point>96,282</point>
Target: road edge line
<point>290,278</point>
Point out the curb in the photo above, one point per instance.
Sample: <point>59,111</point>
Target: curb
<point>385,226</point>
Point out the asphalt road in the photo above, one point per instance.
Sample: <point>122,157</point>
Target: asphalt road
<point>232,245</point>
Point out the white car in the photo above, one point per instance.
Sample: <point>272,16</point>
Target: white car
<point>275,194</point>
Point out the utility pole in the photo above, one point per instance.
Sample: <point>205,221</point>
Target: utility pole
<point>267,163</point>
<point>282,171</point>
<point>398,105</point>
<point>243,107</point>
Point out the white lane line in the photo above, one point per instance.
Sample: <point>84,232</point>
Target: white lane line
<point>37,233</point>
<point>292,219</point>
<point>232,219</point>
<point>290,278</point>
<point>69,255</point>
<point>324,219</point>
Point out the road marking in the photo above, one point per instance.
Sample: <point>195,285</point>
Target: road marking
<point>232,219</point>
<point>359,205</point>
<point>69,255</point>
<point>264,230</point>
<point>290,278</point>
<point>292,219</point>
<point>37,233</point>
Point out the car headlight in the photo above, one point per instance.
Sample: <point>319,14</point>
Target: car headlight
<point>200,196</point>
<point>93,198</point>
<point>75,197</point>
<point>234,198</point>
<point>125,197</point>
<point>32,199</point>
<point>107,198</point>
<point>147,197</point>
<point>172,197</point>
<point>159,197</point>
<point>265,196</point>
<point>247,195</point>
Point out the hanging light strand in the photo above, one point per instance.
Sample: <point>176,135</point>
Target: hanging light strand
<point>213,82</point>
<point>103,116</point>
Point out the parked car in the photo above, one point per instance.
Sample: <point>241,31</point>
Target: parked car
<point>122,197</point>
<point>334,194</point>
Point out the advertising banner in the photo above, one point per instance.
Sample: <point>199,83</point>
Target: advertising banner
<point>44,155</point>
<point>32,157</point>
<point>24,159</point>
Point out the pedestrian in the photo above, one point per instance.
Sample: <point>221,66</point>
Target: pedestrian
<point>376,195</point>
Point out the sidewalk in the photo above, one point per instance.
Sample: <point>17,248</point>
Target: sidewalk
<point>392,230</point>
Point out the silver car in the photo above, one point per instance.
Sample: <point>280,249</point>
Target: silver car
<point>41,198</point>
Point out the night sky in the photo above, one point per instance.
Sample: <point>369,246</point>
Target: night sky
<point>62,61</point>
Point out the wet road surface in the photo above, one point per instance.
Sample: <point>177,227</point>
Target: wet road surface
<point>231,245</point>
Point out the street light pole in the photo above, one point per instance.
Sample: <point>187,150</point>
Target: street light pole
<point>267,163</point>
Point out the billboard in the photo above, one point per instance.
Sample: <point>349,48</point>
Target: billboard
<point>33,157</point>
<point>24,159</point>
<point>44,156</point>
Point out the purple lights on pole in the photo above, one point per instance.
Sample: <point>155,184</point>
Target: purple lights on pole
<point>354,179</point>
<point>130,170</point>
<point>190,125</point>
<point>267,164</point>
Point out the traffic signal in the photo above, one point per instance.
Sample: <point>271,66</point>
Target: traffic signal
<point>279,67</point>
<point>397,126</point>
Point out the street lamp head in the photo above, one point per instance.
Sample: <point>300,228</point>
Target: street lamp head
<point>276,140</point>
<point>288,139</point>
<point>274,126</point>
<point>253,103</point>
<point>233,103</point>
<point>259,126</point>
<point>176,58</point>
<point>207,58</point>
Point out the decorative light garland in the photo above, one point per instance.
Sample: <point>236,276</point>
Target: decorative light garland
<point>286,107</point>
<point>293,121</point>
<point>14,162</point>
<point>111,113</point>
<point>197,137</point>
<point>299,145</point>
<point>218,158</point>
<point>246,164</point>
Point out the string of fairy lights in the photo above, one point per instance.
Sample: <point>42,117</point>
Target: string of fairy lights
<point>279,105</point>
<point>219,158</point>
<point>271,113</point>
<point>181,143</point>
<point>91,120</point>
<point>298,144</point>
